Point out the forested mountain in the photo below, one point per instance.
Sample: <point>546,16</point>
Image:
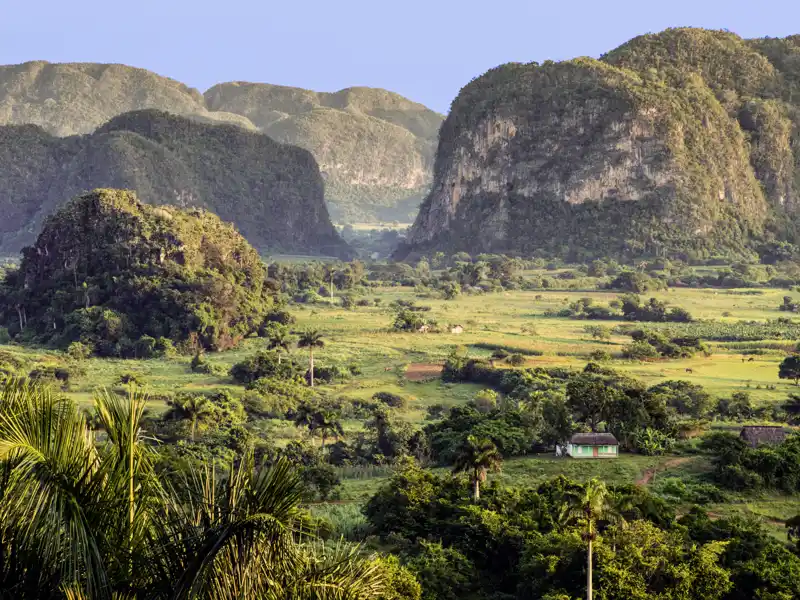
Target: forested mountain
<point>114,274</point>
<point>375,148</point>
<point>683,143</point>
<point>272,192</point>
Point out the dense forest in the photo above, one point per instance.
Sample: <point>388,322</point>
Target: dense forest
<point>116,277</point>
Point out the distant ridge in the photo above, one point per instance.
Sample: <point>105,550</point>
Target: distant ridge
<point>374,147</point>
<point>272,192</point>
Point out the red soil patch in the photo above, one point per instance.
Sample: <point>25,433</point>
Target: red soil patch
<point>423,372</point>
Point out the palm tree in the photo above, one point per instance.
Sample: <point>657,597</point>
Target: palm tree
<point>305,416</point>
<point>477,457</point>
<point>327,423</point>
<point>73,513</point>
<point>586,508</point>
<point>193,407</point>
<point>311,339</point>
<point>281,341</point>
<point>81,521</point>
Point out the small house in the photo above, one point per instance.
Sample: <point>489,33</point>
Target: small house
<point>756,435</point>
<point>593,445</point>
<point>456,329</point>
<point>424,328</point>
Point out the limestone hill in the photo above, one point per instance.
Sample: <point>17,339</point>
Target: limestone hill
<point>272,192</point>
<point>375,148</point>
<point>122,278</point>
<point>683,143</point>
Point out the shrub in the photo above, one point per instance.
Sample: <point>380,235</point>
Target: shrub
<point>600,355</point>
<point>165,347</point>
<point>516,360</point>
<point>200,365</point>
<point>282,316</point>
<point>640,350</point>
<point>631,281</point>
<point>78,351</point>
<point>499,354</point>
<point>61,375</point>
<point>264,364</point>
<point>485,401</point>
<point>131,379</point>
<point>390,399</point>
<point>145,347</point>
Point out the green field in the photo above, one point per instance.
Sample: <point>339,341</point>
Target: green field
<point>406,363</point>
<point>511,320</point>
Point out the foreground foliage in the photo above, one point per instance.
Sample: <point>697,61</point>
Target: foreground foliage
<point>97,520</point>
<point>527,544</point>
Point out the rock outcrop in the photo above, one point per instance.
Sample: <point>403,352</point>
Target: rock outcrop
<point>677,144</point>
<point>375,147</point>
<point>124,278</point>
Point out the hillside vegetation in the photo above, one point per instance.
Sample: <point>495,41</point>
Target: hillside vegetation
<point>375,147</point>
<point>682,143</point>
<point>272,192</point>
<point>122,278</point>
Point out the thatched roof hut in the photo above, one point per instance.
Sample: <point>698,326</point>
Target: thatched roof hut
<point>755,435</point>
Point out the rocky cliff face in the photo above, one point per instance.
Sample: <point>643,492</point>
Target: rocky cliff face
<point>375,148</point>
<point>643,153</point>
<point>272,192</point>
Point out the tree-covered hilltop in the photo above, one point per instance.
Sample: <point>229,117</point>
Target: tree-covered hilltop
<point>375,147</point>
<point>682,143</point>
<point>272,192</point>
<point>127,279</point>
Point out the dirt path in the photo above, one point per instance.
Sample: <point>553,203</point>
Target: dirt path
<point>648,475</point>
<point>423,371</point>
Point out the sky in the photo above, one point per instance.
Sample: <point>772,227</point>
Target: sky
<point>426,50</point>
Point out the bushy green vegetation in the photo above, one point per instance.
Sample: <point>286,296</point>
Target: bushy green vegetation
<point>535,543</point>
<point>516,383</point>
<point>122,278</point>
<point>82,519</point>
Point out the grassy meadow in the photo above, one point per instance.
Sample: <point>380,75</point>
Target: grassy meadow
<point>408,364</point>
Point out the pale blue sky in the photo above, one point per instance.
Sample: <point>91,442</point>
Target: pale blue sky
<point>424,49</point>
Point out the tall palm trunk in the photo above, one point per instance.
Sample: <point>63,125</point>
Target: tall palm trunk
<point>476,489</point>
<point>194,426</point>
<point>589,572</point>
<point>131,492</point>
<point>311,364</point>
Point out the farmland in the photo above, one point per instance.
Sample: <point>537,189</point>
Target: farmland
<point>408,364</point>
